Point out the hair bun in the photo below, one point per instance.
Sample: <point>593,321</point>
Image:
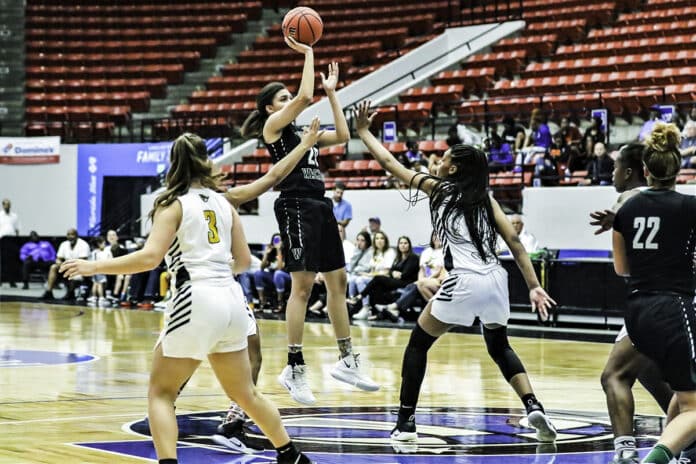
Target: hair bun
<point>664,138</point>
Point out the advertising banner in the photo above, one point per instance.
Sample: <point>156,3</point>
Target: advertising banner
<point>95,161</point>
<point>29,150</point>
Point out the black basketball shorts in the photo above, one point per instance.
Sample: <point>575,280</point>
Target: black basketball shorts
<point>663,327</point>
<point>309,232</point>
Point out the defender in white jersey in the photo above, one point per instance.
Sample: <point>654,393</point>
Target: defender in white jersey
<point>199,232</point>
<point>625,364</point>
<point>467,221</point>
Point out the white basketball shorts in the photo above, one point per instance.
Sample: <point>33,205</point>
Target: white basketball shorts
<point>464,296</point>
<point>204,318</point>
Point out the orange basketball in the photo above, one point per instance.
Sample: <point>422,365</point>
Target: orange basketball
<point>303,24</point>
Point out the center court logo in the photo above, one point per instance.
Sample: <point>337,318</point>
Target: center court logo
<point>446,436</point>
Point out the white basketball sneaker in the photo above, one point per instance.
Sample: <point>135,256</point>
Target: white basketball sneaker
<point>294,379</point>
<point>348,370</point>
<point>546,432</point>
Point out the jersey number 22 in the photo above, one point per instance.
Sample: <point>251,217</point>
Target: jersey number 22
<point>649,226</point>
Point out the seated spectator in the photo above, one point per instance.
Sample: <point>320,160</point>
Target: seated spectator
<point>538,141</point>
<point>593,135</point>
<point>100,253</point>
<point>413,154</point>
<point>513,133</point>
<point>499,154</point>
<point>116,291</point>
<point>362,258</point>
<point>569,135</point>
<point>600,168</point>
<point>382,258</point>
<point>577,160</point>
<point>430,276</point>
<point>529,242</point>
<point>688,145</point>
<point>404,270</point>
<point>271,274</point>
<point>72,248</point>
<point>348,246</point>
<point>246,280</point>
<point>35,255</point>
<point>453,136</point>
<point>316,305</point>
<point>647,127</point>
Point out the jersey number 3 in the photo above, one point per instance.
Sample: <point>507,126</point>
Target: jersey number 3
<point>213,235</point>
<point>649,225</point>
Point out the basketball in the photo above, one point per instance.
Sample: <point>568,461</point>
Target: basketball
<point>303,24</point>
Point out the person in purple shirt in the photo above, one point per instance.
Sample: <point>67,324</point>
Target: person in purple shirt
<point>499,153</point>
<point>540,135</point>
<point>35,254</point>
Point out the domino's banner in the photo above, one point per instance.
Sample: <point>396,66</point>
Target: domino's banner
<point>95,161</point>
<point>29,150</point>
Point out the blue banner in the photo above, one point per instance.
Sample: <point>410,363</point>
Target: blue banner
<point>96,161</point>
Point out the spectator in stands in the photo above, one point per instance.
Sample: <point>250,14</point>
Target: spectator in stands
<point>539,133</point>
<point>570,135</point>
<point>513,133</point>
<point>599,168</point>
<point>100,253</point>
<point>453,136</point>
<point>9,222</point>
<point>36,254</point>
<point>499,154</point>
<point>360,262</point>
<point>9,225</point>
<point>413,154</point>
<point>343,211</point>
<point>348,246</point>
<point>692,114</point>
<point>430,276</point>
<point>593,135</point>
<point>404,270</point>
<point>72,248</point>
<point>647,127</point>
<point>529,242</point>
<point>374,225</point>
<point>265,278</point>
<point>577,159</point>
<point>382,258</point>
<point>246,280</point>
<point>316,305</point>
<point>688,145</point>
<point>116,290</point>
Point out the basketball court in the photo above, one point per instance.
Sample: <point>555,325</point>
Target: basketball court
<point>74,389</point>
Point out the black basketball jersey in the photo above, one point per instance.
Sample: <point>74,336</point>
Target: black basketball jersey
<point>659,230</point>
<point>306,178</point>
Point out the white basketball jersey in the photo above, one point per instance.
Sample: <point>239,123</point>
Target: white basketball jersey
<point>201,249</point>
<point>459,251</point>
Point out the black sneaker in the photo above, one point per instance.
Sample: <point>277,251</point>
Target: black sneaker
<point>405,430</point>
<point>47,295</point>
<point>232,436</point>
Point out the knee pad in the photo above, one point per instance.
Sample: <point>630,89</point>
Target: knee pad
<point>502,353</point>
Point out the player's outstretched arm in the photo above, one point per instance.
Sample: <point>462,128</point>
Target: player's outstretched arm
<point>280,119</point>
<point>240,195</point>
<point>538,297</point>
<point>363,120</point>
<point>162,234</point>
<point>342,133</point>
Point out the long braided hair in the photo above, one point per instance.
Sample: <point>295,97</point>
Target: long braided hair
<point>464,195</point>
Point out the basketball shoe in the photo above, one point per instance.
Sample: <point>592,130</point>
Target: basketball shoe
<point>405,430</point>
<point>349,370</point>
<point>294,379</point>
<point>546,432</point>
